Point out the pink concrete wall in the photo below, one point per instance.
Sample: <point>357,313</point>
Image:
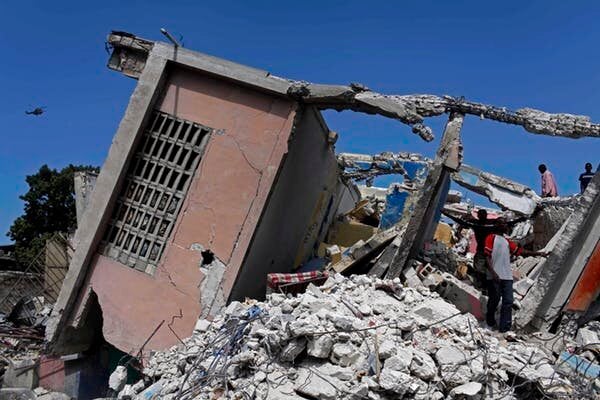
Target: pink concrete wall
<point>51,373</point>
<point>221,210</point>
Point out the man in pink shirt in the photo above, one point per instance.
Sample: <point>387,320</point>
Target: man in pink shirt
<point>549,188</point>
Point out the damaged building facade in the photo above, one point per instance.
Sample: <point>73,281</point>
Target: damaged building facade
<point>220,174</point>
<point>187,211</point>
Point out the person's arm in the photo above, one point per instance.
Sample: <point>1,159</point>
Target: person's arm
<point>516,250</point>
<point>529,253</point>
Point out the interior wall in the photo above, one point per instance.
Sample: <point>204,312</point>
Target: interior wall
<point>293,217</point>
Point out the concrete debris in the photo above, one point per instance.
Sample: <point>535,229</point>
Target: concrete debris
<point>117,379</point>
<point>360,167</point>
<point>468,390</point>
<point>412,109</point>
<point>414,345</point>
<point>507,194</point>
<point>548,221</point>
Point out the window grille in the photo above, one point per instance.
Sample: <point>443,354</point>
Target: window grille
<point>155,186</point>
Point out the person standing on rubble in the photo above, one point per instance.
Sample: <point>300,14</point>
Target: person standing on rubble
<point>498,251</point>
<point>549,188</point>
<point>586,177</point>
<point>481,230</point>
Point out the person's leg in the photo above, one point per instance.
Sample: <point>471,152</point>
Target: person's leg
<point>492,303</point>
<point>506,291</point>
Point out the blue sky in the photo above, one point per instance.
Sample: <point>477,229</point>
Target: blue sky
<point>542,54</point>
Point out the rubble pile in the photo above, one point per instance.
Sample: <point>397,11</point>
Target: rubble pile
<point>351,338</point>
<point>22,333</point>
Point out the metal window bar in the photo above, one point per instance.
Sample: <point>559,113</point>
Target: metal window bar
<point>41,281</point>
<point>155,186</point>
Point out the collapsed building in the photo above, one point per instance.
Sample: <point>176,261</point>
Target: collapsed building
<point>221,174</point>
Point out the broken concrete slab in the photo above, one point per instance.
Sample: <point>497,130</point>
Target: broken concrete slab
<point>507,194</point>
<point>468,390</point>
<point>366,251</point>
<point>411,166</point>
<point>21,374</point>
<point>411,109</point>
<point>311,384</point>
<point>17,394</point>
<point>421,224</point>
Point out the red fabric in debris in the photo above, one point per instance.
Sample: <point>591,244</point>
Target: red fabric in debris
<point>277,279</point>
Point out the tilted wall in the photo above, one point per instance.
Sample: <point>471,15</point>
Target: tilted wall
<point>220,212</point>
<point>299,209</point>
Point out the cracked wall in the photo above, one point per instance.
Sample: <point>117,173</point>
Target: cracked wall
<point>300,207</point>
<point>221,210</point>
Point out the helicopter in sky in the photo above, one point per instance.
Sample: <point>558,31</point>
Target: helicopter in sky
<point>36,111</point>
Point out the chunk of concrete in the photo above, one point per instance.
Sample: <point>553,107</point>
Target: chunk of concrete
<point>422,365</point>
<point>465,297</point>
<point>17,394</point>
<point>202,325</point>
<point>313,386</point>
<point>387,349</point>
<point>21,374</point>
<point>344,354</point>
<point>293,349</point>
<point>118,379</point>
<point>451,355</point>
<point>586,337</point>
<point>398,382</point>
<point>434,310</point>
<point>320,347</point>
<point>401,361</point>
<point>468,390</point>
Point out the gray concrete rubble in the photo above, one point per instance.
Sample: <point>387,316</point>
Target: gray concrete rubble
<point>410,345</point>
<point>361,166</point>
<point>507,194</point>
<point>411,109</point>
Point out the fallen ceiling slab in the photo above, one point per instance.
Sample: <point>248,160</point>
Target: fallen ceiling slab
<point>501,191</point>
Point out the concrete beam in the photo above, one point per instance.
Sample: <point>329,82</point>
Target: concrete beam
<point>362,166</point>
<point>431,197</point>
<point>507,194</point>
<point>129,58</point>
<point>412,109</point>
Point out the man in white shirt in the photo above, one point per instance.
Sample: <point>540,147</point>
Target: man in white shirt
<point>499,250</point>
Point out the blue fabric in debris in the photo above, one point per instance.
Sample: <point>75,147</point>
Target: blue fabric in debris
<point>580,364</point>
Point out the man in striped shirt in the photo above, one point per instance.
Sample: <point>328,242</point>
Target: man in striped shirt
<point>549,188</point>
<point>498,251</point>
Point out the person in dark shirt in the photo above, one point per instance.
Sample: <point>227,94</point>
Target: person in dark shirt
<point>586,177</point>
<point>482,227</point>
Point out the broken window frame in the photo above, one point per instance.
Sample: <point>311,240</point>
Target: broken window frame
<point>155,186</point>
